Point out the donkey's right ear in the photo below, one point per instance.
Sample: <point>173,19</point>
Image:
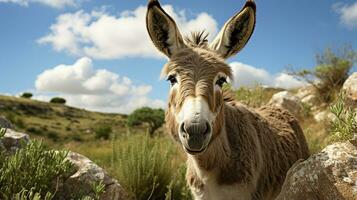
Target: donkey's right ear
<point>162,29</point>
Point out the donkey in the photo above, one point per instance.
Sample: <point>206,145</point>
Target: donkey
<point>233,152</point>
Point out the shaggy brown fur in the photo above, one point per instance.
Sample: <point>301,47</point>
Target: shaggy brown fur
<point>262,144</point>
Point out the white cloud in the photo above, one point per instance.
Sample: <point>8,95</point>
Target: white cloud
<point>51,3</point>
<point>348,14</point>
<point>249,76</point>
<point>98,90</point>
<point>101,35</point>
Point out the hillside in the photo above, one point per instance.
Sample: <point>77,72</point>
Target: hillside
<point>55,122</point>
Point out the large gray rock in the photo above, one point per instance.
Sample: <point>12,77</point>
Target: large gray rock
<point>13,140</point>
<point>287,101</point>
<point>88,173</point>
<point>324,116</point>
<point>350,89</point>
<point>4,123</point>
<point>329,175</point>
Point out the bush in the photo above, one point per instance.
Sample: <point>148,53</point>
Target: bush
<point>26,95</point>
<point>331,71</point>
<point>103,132</point>
<point>150,168</point>
<point>58,100</point>
<point>344,125</point>
<point>53,136</point>
<point>154,117</point>
<point>32,170</point>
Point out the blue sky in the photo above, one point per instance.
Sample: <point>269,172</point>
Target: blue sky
<point>107,41</point>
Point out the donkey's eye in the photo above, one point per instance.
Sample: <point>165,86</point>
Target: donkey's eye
<point>221,81</point>
<point>172,79</point>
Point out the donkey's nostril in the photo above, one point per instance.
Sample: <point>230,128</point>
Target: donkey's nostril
<point>195,128</point>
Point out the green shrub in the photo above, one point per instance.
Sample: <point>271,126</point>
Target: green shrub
<point>344,125</point>
<point>149,168</point>
<point>76,137</point>
<point>58,100</point>
<point>26,95</point>
<point>32,170</point>
<point>103,132</point>
<point>154,117</point>
<point>35,131</point>
<point>53,136</point>
<point>20,123</point>
<point>330,72</point>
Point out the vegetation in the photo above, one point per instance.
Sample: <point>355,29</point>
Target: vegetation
<point>149,168</point>
<point>32,170</point>
<point>103,132</point>
<point>344,126</point>
<point>26,95</point>
<point>329,74</point>
<point>56,124</point>
<point>58,100</point>
<point>154,117</point>
<point>256,96</point>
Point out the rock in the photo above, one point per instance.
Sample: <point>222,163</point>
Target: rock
<point>324,116</point>
<point>287,101</point>
<point>4,123</point>
<point>350,89</point>
<point>13,140</point>
<point>87,174</point>
<point>307,95</point>
<point>329,175</point>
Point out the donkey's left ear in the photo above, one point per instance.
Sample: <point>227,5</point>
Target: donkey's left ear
<point>236,32</point>
<point>162,29</point>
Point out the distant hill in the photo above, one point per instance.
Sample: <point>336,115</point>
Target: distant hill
<point>55,122</point>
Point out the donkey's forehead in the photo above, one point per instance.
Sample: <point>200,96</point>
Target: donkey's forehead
<point>196,60</point>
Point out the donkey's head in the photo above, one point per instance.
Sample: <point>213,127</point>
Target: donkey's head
<point>197,72</point>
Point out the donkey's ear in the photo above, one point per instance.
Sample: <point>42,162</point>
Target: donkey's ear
<point>236,32</point>
<point>162,29</point>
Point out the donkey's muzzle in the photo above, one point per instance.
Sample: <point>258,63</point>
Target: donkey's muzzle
<point>195,135</point>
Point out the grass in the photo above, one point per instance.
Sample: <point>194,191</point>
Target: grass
<point>256,96</point>
<point>147,167</point>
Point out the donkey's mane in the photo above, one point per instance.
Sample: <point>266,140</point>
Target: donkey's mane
<point>197,39</point>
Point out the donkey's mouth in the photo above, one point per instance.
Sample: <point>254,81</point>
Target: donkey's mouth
<point>194,152</point>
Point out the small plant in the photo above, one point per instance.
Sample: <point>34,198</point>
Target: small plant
<point>98,189</point>
<point>32,170</point>
<point>2,132</point>
<point>58,100</point>
<point>154,117</point>
<point>26,95</point>
<point>31,195</point>
<point>344,125</point>
<point>103,132</point>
